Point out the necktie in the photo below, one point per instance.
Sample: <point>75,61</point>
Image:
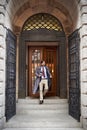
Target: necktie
<point>43,72</point>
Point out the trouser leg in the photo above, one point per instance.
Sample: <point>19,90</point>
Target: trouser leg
<point>41,90</point>
<point>46,87</point>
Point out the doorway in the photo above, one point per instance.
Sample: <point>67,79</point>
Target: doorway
<point>38,31</point>
<point>35,55</point>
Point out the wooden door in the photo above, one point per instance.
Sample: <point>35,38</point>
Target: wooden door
<point>49,54</point>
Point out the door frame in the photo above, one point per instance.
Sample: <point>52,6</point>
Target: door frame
<point>36,44</point>
<point>45,36</point>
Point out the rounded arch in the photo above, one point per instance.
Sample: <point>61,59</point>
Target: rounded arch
<point>42,20</point>
<point>59,9</point>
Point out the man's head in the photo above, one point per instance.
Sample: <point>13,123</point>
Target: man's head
<point>43,63</point>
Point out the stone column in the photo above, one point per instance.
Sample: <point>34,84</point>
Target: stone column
<point>2,63</point>
<point>83,52</point>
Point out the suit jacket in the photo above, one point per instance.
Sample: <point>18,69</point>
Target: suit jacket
<point>38,79</point>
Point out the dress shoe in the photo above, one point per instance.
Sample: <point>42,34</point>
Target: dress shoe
<point>41,102</point>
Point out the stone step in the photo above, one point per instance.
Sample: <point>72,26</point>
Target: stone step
<point>36,112</point>
<point>52,115</point>
<point>43,124</point>
<point>35,118</point>
<point>46,101</point>
<point>43,128</point>
<point>42,107</point>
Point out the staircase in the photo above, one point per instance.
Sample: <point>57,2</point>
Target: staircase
<point>52,115</point>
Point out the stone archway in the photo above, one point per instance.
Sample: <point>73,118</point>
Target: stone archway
<point>43,25</point>
<point>59,9</point>
<point>12,9</point>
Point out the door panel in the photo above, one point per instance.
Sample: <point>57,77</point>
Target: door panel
<point>36,54</point>
<point>74,72</point>
<point>51,62</point>
<point>10,75</point>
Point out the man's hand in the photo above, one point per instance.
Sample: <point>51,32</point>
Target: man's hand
<point>50,76</point>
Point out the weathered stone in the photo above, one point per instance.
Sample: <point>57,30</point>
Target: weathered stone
<point>1,88</point>
<point>85,124</point>
<point>2,64</point>
<point>1,99</point>
<point>84,18</point>
<point>84,9</point>
<point>84,64</point>
<point>84,42</point>
<point>2,111</point>
<point>2,19</point>
<point>84,88</point>
<point>2,2</point>
<point>2,75</point>
<point>84,53</point>
<point>2,53</point>
<point>83,2</point>
<point>2,122</point>
<point>2,10</point>
<point>2,30</point>
<point>84,30</point>
<point>84,100</point>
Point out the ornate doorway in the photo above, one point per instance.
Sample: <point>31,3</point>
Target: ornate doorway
<point>43,28</point>
<point>36,54</point>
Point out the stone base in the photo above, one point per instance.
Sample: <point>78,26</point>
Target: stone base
<point>2,123</point>
<point>85,124</point>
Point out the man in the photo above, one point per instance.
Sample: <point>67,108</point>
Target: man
<point>42,80</point>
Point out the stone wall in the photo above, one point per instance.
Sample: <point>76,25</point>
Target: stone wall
<point>83,52</point>
<point>2,63</point>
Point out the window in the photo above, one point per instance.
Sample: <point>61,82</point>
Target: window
<point>42,21</point>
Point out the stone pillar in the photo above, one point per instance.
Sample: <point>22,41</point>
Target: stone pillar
<point>83,52</point>
<point>2,63</point>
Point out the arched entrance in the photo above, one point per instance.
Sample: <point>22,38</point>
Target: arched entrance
<point>31,38</point>
<point>42,37</point>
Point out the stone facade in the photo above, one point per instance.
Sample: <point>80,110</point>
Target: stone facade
<point>5,21</point>
<point>83,51</point>
<point>2,63</point>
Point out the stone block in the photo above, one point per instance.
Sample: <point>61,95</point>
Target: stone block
<point>2,53</point>
<point>2,2</point>
<point>84,87</point>
<point>84,64</point>
<point>84,100</point>
<point>1,88</point>
<point>2,75</point>
<point>2,122</point>
<point>84,41</point>
<point>84,53</point>
<point>1,99</point>
<point>2,19</point>
<point>84,112</point>
<point>2,64</point>
<point>2,41</point>
<point>84,30</point>
<point>2,111</point>
<point>85,124</point>
<point>2,10</point>
<point>84,76</point>
<point>84,9</point>
<point>84,18</point>
<point>2,30</point>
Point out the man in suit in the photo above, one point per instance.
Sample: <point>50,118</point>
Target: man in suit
<point>42,80</point>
